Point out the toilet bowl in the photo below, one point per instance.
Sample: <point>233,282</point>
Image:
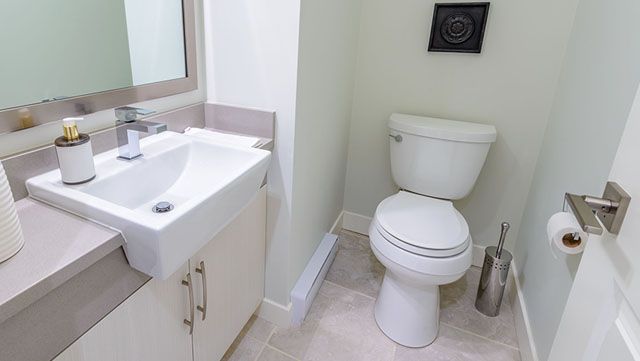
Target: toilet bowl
<point>432,247</point>
<point>417,234</point>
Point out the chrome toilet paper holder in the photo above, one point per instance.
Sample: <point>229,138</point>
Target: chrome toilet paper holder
<point>610,209</point>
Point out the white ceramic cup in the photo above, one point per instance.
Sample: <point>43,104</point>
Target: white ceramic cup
<point>11,237</point>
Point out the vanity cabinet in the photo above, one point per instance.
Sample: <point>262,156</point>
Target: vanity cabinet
<point>146,326</point>
<point>234,273</point>
<point>227,285</point>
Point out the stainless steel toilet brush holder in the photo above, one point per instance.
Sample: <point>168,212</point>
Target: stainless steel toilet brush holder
<point>493,279</point>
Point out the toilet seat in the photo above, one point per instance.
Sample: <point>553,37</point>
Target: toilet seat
<point>422,225</point>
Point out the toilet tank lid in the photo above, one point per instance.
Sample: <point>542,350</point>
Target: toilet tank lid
<point>443,128</point>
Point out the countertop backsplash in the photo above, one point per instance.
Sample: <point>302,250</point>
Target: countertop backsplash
<point>227,118</point>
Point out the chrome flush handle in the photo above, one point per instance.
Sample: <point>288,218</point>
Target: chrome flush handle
<point>397,137</point>
<point>203,272</point>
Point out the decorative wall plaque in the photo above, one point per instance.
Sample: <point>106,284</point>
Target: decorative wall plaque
<point>458,27</point>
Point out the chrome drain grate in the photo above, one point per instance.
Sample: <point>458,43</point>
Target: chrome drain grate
<point>162,207</point>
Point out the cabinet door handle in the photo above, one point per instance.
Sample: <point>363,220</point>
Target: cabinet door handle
<point>203,273</point>
<point>192,312</point>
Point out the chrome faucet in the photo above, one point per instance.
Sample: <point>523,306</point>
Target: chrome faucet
<point>128,129</point>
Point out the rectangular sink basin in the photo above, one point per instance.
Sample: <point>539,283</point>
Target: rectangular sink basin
<point>201,185</point>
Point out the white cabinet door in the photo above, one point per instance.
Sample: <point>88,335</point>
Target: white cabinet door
<point>601,321</point>
<point>147,326</point>
<point>234,262</point>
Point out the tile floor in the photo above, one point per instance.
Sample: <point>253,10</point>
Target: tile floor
<point>340,325</point>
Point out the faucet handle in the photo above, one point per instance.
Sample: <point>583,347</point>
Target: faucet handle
<point>130,114</point>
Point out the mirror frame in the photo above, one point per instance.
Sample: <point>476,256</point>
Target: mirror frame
<point>47,112</point>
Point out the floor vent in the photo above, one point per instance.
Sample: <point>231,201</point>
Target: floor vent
<point>311,279</point>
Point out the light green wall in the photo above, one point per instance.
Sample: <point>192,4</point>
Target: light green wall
<point>326,71</point>
<point>68,47</point>
<point>508,85</point>
<point>599,78</point>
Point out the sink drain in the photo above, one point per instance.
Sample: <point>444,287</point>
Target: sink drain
<point>162,207</point>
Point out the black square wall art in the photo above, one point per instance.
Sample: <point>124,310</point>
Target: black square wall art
<point>458,27</point>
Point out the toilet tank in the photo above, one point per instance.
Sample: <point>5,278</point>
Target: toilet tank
<point>437,157</point>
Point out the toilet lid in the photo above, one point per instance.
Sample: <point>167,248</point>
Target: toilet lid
<point>422,225</point>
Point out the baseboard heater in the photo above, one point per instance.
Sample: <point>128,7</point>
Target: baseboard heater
<point>309,283</point>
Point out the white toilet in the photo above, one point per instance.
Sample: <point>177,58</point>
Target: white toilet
<point>417,234</point>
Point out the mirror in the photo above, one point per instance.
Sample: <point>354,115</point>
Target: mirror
<point>59,52</point>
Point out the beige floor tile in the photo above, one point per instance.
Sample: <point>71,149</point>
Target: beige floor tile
<point>347,331</point>
<point>270,354</point>
<point>355,267</point>
<point>329,345</point>
<point>295,341</point>
<point>457,308</point>
<point>244,348</point>
<point>340,326</point>
<point>258,328</point>
<point>456,345</point>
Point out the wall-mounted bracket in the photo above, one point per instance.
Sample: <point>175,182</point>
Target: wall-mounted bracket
<point>610,209</point>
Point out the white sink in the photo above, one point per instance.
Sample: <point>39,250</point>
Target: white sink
<point>207,183</point>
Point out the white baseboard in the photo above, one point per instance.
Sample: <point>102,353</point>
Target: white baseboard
<point>337,225</point>
<point>355,222</point>
<point>477,255</point>
<point>308,285</point>
<point>527,345</point>
<point>275,313</point>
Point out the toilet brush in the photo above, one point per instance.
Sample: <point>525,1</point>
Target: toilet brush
<point>503,234</point>
<point>493,279</point>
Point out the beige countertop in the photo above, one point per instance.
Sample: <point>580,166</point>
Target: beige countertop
<point>58,246</point>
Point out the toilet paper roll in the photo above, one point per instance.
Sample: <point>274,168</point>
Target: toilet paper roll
<point>565,235</point>
<point>11,238</point>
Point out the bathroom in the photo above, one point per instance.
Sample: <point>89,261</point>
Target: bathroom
<point>283,180</point>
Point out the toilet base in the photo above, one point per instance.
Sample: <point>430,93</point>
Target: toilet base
<point>408,314</point>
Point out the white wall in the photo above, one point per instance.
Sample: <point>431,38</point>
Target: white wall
<point>156,40</point>
<point>45,134</point>
<point>283,55</point>
<point>599,78</point>
<point>508,85</point>
<point>252,57</point>
<point>326,72</point>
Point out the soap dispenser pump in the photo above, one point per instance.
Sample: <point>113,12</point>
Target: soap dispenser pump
<point>75,156</point>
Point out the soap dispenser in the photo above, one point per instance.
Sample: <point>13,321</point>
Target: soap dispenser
<point>75,156</point>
